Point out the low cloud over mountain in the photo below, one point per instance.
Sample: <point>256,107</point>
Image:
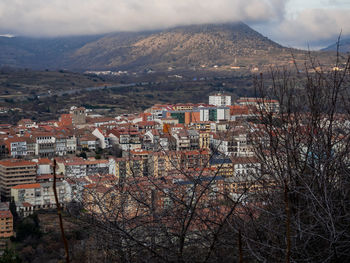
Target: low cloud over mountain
<point>67,17</point>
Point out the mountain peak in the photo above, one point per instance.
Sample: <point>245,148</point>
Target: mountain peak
<point>182,47</point>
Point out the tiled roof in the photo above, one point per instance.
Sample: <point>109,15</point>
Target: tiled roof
<point>26,186</point>
<point>16,162</point>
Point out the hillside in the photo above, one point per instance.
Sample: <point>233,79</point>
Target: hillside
<point>39,53</point>
<point>343,47</point>
<point>200,45</point>
<point>188,47</point>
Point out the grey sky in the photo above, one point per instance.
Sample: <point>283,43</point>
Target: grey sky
<point>290,22</point>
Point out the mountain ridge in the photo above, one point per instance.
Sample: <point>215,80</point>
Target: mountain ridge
<point>344,46</point>
<point>194,46</point>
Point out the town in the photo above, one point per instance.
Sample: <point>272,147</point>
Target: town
<point>179,143</point>
<point>173,174</point>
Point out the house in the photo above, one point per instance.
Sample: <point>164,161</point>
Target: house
<point>88,141</point>
<point>45,144</point>
<point>182,140</point>
<point>126,139</point>
<point>27,124</point>
<point>17,146</point>
<point>31,197</point>
<point>103,138</point>
<point>44,166</point>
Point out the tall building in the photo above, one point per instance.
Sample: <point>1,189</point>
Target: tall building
<point>78,115</point>
<point>6,224</point>
<point>220,99</point>
<point>15,172</point>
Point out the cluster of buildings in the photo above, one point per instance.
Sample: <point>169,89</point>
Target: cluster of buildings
<point>172,144</point>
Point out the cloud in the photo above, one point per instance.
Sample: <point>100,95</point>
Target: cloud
<point>71,17</point>
<point>317,27</point>
<point>270,17</point>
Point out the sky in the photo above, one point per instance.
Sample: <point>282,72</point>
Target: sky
<point>293,23</point>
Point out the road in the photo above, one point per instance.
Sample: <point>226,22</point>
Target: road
<point>77,90</point>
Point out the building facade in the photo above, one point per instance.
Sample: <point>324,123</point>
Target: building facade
<point>14,172</point>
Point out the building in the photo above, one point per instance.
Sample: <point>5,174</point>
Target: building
<point>126,139</point>
<point>78,115</point>
<point>45,145</point>
<point>260,104</point>
<point>204,139</point>
<point>219,113</point>
<point>224,143</point>
<point>103,139</point>
<point>31,197</point>
<point>17,146</point>
<point>182,140</point>
<point>27,123</point>
<point>88,142</point>
<point>15,172</point>
<point>6,224</point>
<point>220,99</point>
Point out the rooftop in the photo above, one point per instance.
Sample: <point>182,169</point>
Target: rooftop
<point>16,162</point>
<point>26,186</point>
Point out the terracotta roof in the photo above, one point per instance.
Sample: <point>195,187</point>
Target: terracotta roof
<point>88,137</point>
<point>15,139</point>
<point>95,161</point>
<point>16,162</point>
<point>26,186</point>
<point>44,161</point>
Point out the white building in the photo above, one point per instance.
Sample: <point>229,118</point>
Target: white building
<point>220,99</point>
<point>261,104</point>
<point>31,197</point>
<point>247,167</point>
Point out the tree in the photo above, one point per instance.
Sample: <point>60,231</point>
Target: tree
<point>9,256</point>
<point>292,204</point>
<point>304,149</point>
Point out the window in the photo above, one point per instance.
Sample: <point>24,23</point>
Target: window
<point>46,190</point>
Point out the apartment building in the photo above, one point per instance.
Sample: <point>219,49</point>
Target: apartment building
<point>220,99</point>
<point>17,146</point>
<point>6,224</point>
<point>14,172</point>
<point>31,197</point>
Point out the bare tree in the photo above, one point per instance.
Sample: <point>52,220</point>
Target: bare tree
<point>292,205</point>
<point>304,149</point>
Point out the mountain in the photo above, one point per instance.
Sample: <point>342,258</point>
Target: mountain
<point>199,46</point>
<point>196,45</point>
<point>39,53</point>
<point>343,47</point>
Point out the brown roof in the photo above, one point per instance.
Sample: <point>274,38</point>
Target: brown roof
<point>16,162</point>
<point>244,160</point>
<point>26,186</point>
<point>48,176</point>
<point>15,139</point>
<point>44,161</point>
